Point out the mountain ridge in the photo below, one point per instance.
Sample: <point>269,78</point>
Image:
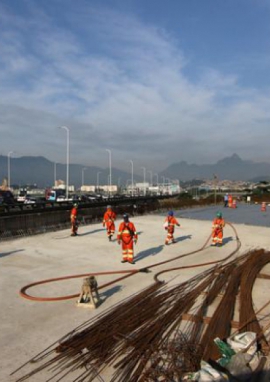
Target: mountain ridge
<point>39,170</point>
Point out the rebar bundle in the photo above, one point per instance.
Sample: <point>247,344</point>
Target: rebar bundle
<point>145,337</point>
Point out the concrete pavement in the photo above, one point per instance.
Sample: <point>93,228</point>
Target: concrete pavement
<point>28,327</point>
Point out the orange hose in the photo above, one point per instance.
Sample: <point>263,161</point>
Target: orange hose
<point>127,273</point>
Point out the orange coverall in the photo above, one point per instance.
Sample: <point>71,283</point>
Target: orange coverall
<point>127,235</point>
<point>217,231</point>
<point>108,220</point>
<point>74,223</point>
<point>172,221</point>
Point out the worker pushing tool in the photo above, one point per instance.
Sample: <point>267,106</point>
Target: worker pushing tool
<point>170,223</point>
<point>108,221</point>
<point>128,236</point>
<point>74,220</point>
<point>217,230</point>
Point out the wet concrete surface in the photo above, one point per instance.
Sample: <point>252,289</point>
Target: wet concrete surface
<point>243,214</point>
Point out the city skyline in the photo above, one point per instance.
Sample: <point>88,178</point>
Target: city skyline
<point>153,83</point>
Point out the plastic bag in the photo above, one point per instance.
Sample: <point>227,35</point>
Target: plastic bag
<point>237,365</point>
<point>242,341</point>
<point>208,374</point>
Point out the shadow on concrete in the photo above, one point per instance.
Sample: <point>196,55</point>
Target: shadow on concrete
<point>227,240</point>
<point>108,293</point>
<point>91,232</point>
<point>10,253</point>
<point>182,238</point>
<point>149,252</point>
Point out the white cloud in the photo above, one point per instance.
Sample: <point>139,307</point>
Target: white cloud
<point>117,83</point>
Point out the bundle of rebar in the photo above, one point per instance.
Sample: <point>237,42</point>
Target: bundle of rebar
<point>145,337</point>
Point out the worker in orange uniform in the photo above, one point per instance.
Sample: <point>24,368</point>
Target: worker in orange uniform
<point>170,223</point>
<point>74,220</point>
<point>108,221</point>
<point>128,236</point>
<point>217,230</point>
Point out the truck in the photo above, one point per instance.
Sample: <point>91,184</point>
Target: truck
<point>54,195</point>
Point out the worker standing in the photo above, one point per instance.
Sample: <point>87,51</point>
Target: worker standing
<point>217,230</point>
<point>170,223</point>
<point>74,220</point>
<point>226,199</point>
<point>128,236</point>
<point>108,221</point>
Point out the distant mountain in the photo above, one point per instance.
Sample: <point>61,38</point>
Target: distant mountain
<point>231,168</point>
<point>40,171</point>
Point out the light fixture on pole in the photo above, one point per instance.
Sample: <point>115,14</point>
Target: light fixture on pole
<point>67,176</point>
<point>144,174</point>
<point>110,165</point>
<point>9,154</point>
<point>132,185</point>
<point>85,168</point>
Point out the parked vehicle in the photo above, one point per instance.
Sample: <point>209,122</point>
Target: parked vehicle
<point>55,195</point>
<point>6,197</point>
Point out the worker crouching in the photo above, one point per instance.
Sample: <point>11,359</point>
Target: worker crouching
<point>217,230</point>
<point>170,223</point>
<point>128,236</point>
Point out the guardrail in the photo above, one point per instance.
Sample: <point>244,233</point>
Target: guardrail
<point>18,223</point>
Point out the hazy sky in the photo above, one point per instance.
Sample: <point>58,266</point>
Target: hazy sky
<point>154,81</point>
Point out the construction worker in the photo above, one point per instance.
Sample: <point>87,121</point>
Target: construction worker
<point>127,235</point>
<point>217,230</point>
<point>74,220</point>
<point>108,221</point>
<point>169,224</point>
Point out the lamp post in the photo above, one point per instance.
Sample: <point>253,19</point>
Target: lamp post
<point>85,168</point>
<point>215,185</point>
<point>9,154</point>
<point>110,165</point>
<point>144,174</point>
<point>132,185</point>
<point>67,176</point>
<point>98,179</point>
<point>151,177</point>
<point>163,187</point>
<point>55,173</point>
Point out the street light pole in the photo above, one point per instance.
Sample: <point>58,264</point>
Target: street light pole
<point>67,176</point>
<point>157,178</point>
<point>132,166</point>
<point>55,173</point>
<point>9,154</point>
<point>85,168</point>
<point>110,164</point>
<point>163,188</point>
<point>151,177</point>
<point>98,179</point>
<point>144,174</point>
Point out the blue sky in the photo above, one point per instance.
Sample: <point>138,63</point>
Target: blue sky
<point>154,81</point>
